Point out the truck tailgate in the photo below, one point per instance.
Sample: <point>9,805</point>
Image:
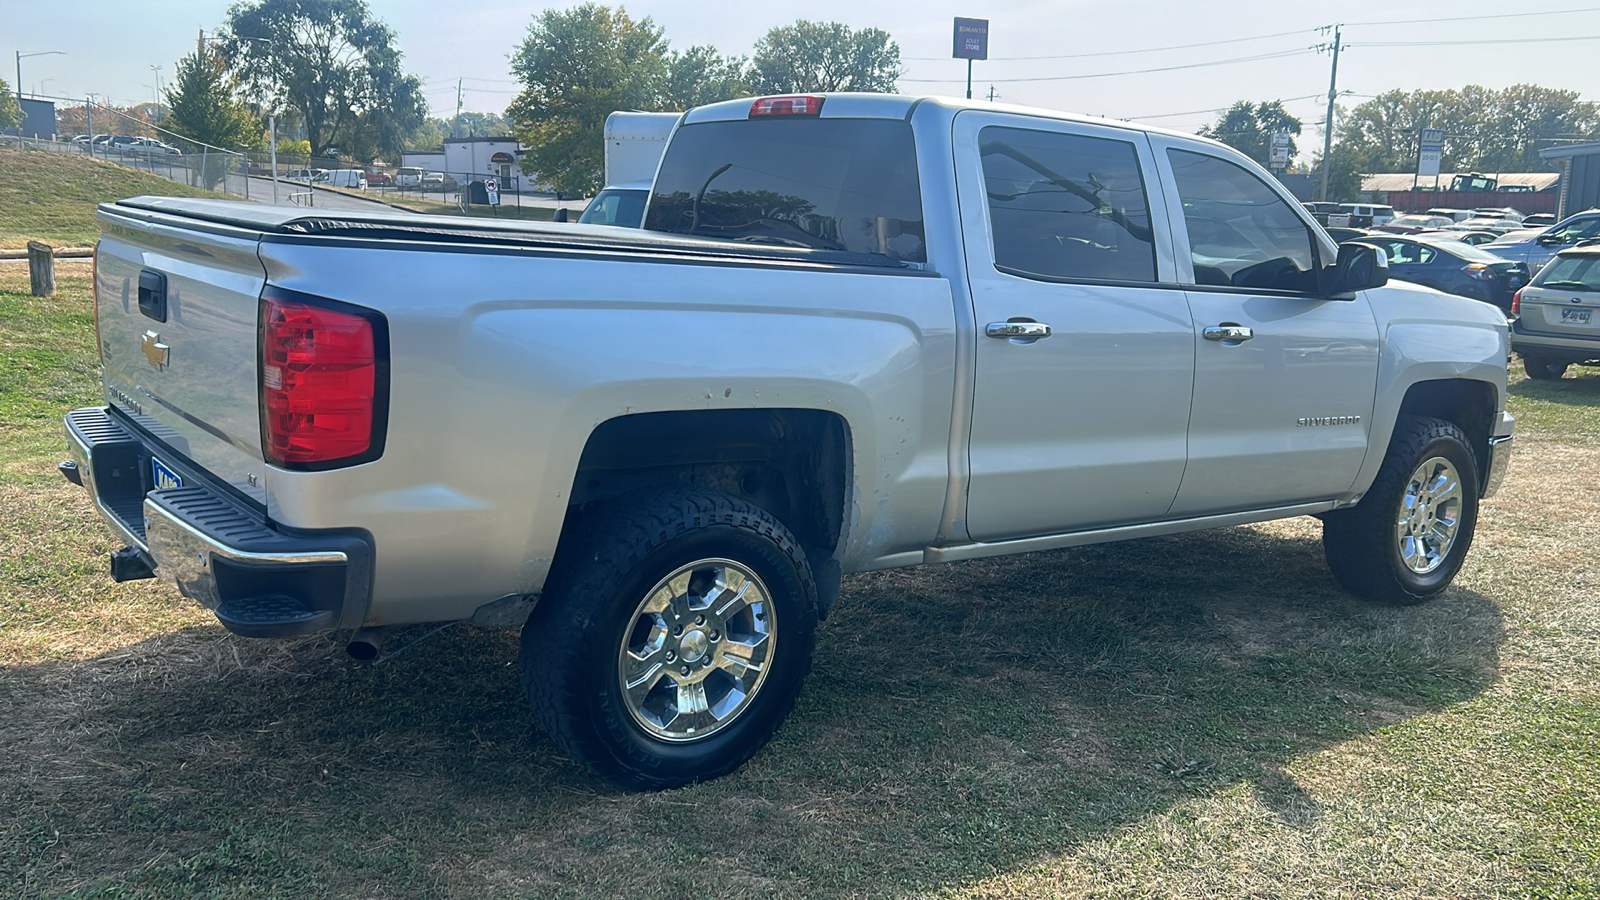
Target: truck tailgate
<point>177,308</point>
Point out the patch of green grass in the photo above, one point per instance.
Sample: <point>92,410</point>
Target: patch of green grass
<point>51,196</point>
<point>1199,715</point>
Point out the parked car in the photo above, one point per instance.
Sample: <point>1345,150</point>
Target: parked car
<point>103,140</point>
<point>1558,315</point>
<point>1322,210</point>
<point>347,178</point>
<point>1456,215</point>
<point>315,176</point>
<point>1510,214</point>
<point>438,181</point>
<point>1342,234</point>
<point>1472,238</point>
<point>1537,247</point>
<point>378,178</point>
<point>408,176</point>
<point>1495,226</point>
<point>151,147</point>
<point>1413,223</point>
<point>1367,215</point>
<point>122,141</point>
<point>1538,219</point>
<point>1452,267</point>
<point>82,139</point>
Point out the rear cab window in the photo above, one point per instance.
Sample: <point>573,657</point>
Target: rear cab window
<point>1066,206</point>
<point>831,184</point>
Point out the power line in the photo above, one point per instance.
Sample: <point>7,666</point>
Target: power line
<point>1539,40</point>
<point>1259,37</point>
<point>1439,21</point>
<point>1220,62</point>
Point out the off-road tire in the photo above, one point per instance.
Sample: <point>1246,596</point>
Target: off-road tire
<point>1541,369</point>
<point>616,556</point>
<point>1363,543</point>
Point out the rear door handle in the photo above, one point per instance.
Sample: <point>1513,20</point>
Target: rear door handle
<point>1228,333</point>
<point>1026,330</point>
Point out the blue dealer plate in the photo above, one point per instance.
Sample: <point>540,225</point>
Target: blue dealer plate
<point>162,477</point>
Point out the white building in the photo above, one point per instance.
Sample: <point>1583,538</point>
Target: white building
<point>472,158</point>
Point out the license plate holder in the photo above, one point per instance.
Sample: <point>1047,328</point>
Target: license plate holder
<point>162,477</point>
<point>1575,316</point>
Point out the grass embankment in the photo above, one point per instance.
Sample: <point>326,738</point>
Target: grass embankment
<point>1204,715</point>
<point>50,196</point>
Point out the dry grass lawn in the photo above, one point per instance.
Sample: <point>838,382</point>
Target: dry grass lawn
<point>1204,715</point>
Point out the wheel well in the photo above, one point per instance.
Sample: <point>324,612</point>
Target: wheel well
<point>1471,405</point>
<point>794,463</point>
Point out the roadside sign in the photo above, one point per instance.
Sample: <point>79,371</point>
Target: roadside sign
<point>1280,149</point>
<point>1430,149</point>
<point>492,188</point>
<point>971,39</point>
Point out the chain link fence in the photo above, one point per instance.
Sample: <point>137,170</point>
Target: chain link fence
<point>300,180</point>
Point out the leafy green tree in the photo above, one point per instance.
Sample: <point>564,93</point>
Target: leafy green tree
<point>701,75</point>
<point>332,63</point>
<point>1485,130</point>
<point>810,57</point>
<point>10,109</point>
<point>578,66</point>
<point>204,108</point>
<point>1249,127</point>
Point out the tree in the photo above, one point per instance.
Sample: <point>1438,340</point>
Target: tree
<point>1249,127</point>
<point>700,75</point>
<point>203,108</point>
<point>809,57</point>
<point>578,66</point>
<point>1485,130</point>
<point>334,64</point>
<point>10,109</point>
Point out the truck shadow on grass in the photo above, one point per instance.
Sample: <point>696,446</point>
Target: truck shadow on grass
<point>960,721</point>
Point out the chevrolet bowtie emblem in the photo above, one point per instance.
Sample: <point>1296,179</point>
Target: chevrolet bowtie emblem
<point>158,353</point>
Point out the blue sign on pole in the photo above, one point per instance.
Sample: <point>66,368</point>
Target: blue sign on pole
<point>972,39</point>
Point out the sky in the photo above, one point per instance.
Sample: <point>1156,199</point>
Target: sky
<point>1085,56</point>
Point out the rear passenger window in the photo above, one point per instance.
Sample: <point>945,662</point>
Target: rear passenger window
<point>1241,233</point>
<point>1066,207</point>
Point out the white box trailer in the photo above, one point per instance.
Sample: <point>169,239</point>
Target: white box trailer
<point>634,144</point>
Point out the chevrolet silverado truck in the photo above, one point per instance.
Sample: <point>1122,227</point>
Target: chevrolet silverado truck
<point>855,332</point>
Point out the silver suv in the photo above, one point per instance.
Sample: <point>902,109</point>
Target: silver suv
<point>1535,248</point>
<point>1558,314</point>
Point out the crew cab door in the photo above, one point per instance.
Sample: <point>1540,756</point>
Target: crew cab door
<point>1085,350</point>
<point>1283,379</point>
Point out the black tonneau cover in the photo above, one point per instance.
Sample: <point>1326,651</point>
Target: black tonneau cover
<point>402,226</point>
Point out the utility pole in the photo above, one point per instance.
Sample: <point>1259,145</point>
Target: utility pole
<point>455,130</point>
<point>991,93</point>
<point>1327,125</point>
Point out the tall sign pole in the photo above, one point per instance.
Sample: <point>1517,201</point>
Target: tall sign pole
<point>971,42</point>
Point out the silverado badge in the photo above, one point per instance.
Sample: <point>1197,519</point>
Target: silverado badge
<point>154,350</point>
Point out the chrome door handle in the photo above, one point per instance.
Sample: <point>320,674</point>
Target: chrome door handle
<point>1033,330</point>
<point>1228,333</point>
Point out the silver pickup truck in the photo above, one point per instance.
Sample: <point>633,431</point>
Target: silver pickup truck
<point>856,332</point>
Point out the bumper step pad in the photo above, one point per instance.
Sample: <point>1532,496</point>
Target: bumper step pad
<point>272,616</point>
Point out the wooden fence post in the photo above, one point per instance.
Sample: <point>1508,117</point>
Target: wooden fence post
<point>41,269</point>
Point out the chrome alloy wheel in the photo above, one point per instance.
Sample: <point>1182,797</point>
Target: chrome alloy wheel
<point>697,649</point>
<point>1429,515</point>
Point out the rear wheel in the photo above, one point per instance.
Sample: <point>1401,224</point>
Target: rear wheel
<point>672,639</point>
<point>1407,538</point>
<point>1543,369</point>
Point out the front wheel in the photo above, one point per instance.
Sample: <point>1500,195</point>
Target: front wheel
<point>672,638</point>
<point>1407,538</point>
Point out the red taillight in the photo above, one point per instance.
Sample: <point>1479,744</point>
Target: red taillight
<point>324,382</point>
<point>786,106</point>
<point>1516,303</point>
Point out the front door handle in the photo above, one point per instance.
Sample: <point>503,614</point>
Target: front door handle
<point>1026,330</point>
<point>1228,333</point>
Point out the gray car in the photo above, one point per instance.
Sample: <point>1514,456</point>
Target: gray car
<point>1537,247</point>
<point>1558,315</point>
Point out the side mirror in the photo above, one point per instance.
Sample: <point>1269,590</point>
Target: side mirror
<point>1360,267</point>
<point>1549,240</point>
<point>559,215</point>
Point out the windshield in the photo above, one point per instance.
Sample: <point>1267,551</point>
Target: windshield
<point>836,184</point>
<point>1575,272</point>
